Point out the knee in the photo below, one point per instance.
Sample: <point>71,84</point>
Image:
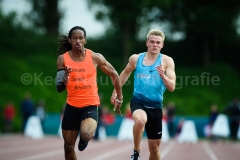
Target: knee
<point>86,136</point>
<point>154,151</point>
<point>140,124</point>
<point>68,148</point>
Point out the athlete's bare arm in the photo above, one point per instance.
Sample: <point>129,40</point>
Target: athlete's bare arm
<point>129,68</point>
<point>60,62</point>
<point>108,69</point>
<point>127,71</point>
<point>64,78</point>
<point>167,72</point>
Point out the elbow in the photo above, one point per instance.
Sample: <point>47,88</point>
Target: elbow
<point>114,75</point>
<point>59,89</point>
<point>171,89</point>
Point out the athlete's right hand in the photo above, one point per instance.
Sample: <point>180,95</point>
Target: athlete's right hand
<point>116,104</point>
<point>66,75</point>
<point>117,107</point>
<point>113,97</point>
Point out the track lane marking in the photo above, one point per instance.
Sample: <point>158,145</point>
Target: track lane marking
<point>209,151</point>
<point>113,152</point>
<point>25,148</point>
<point>167,149</point>
<point>43,155</point>
<point>51,153</point>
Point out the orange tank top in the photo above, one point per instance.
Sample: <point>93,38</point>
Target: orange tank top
<point>82,89</point>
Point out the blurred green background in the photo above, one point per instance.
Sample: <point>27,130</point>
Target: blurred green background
<point>203,38</point>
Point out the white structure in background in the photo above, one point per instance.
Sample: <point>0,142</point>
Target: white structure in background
<point>165,133</point>
<point>238,134</point>
<point>60,130</point>
<point>220,126</point>
<point>34,128</point>
<point>125,132</point>
<point>102,133</point>
<point>188,133</point>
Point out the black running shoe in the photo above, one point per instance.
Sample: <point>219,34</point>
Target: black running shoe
<point>135,155</point>
<point>82,145</point>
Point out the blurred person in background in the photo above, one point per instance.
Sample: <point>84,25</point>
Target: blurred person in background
<point>154,72</point>
<point>212,118</point>
<point>170,117</point>
<point>233,112</point>
<point>179,127</point>
<point>128,113</point>
<point>27,108</point>
<point>108,117</point>
<point>40,111</point>
<point>9,115</point>
<point>164,114</point>
<point>77,73</point>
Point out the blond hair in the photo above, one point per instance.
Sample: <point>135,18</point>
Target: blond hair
<point>156,33</point>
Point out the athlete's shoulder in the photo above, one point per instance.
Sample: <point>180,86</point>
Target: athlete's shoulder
<point>167,60</point>
<point>166,57</point>
<point>134,57</point>
<point>88,50</point>
<point>97,55</point>
<point>60,62</point>
<point>98,58</point>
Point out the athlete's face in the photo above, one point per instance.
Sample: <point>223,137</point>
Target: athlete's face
<point>154,43</point>
<point>77,39</point>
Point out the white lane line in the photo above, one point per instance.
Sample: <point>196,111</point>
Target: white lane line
<point>43,155</point>
<point>49,154</point>
<point>165,151</point>
<point>113,152</point>
<point>209,151</point>
<point>25,148</point>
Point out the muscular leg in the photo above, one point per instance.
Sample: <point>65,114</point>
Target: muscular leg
<point>87,129</point>
<point>140,119</point>
<point>70,137</point>
<point>154,148</point>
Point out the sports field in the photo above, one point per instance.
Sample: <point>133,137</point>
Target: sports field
<point>17,147</point>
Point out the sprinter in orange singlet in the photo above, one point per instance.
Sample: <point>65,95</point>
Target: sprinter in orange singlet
<point>77,74</point>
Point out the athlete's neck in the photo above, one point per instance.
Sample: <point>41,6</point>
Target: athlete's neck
<point>152,56</point>
<point>78,53</point>
<point>77,56</point>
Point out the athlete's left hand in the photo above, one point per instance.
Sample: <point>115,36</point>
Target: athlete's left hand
<point>113,98</point>
<point>160,71</point>
<point>117,107</point>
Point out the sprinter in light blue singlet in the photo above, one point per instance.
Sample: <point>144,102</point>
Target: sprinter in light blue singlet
<point>154,73</point>
<point>148,86</point>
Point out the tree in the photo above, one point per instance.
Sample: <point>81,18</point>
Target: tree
<point>124,16</point>
<point>45,15</point>
<point>209,26</point>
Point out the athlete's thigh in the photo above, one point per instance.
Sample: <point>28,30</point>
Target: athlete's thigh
<point>153,143</point>
<point>88,125</point>
<point>138,112</point>
<point>70,136</point>
<point>154,123</point>
<point>89,119</point>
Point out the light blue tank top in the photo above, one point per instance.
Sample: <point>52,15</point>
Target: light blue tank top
<point>148,85</point>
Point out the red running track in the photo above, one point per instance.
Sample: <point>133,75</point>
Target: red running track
<point>17,147</point>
